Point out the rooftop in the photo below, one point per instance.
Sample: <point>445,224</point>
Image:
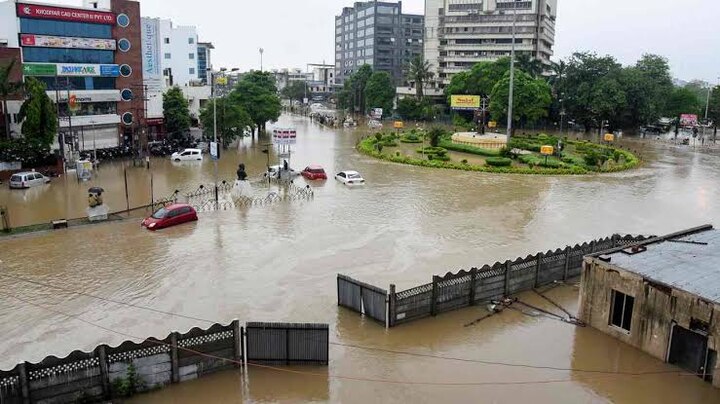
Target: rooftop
<point>689,261</point>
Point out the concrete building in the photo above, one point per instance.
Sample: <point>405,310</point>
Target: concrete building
<point>377,34</point>
<point>322,82</point>
<point>283,77</point>
<point>461,33</point>
<point>661,296</point>
<point>204,60</point>
<point>89,59</point>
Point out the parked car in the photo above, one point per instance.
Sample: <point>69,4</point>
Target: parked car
<point>277,172</point>
<point>28,180</point>
<point>314,172</point>
<point>188,155</point>
<point>169,216</point>
<point>350,178</point>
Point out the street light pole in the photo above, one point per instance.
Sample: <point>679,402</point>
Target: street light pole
<point>261,59</point>
<point>512,75</point>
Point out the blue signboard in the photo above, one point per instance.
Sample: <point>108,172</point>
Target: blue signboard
<point>110,70</point>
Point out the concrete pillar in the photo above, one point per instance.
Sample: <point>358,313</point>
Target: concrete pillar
<point>392,308</point>
<point>508,265</point>
<point>104,373</point>
<point>24,382</point>
<point>175,368</point>
<point>539,258</point>
<point>237,334</point>
<point>433,303</point>
<point>568,250</point>
<point>473,286</point>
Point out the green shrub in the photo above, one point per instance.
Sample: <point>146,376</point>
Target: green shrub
<point>449,145</point>
<point>498,162</point>
<point>464,161</point>
<point>431,150</point>
<point>436,134</point>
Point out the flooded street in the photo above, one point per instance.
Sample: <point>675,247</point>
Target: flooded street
<point>278,263</point>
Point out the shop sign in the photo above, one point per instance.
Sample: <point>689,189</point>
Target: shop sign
<point>89,70</point>
<point>465,102</point>
<point>64,14</point>
<point>45,41</point>
<point>39,69</point>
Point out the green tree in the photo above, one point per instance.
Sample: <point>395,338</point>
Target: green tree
<point>418,72</point>
<point>531,98</point>
<point>176,111</point>
<point>232,119</point>
<point>380,92</point>
<point>256,93</point>
<point>352,96</point>
<point>38,114</point>
<point>295,91</point>
<point>412,109</point>
<point>683,100</point>
<point>648,86</point>
<point>714,109</point>
<point>8,87</point>
<point>529,65</point>
<point>480,80</point>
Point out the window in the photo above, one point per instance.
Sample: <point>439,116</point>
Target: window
<point>127,118</point>
<point>168,56</point>
<point>125,70</point>
<point>78,83</point>
<point>191,56</point>
<point>63,28</point>
<point>57,55</point>
<point>191,41</point>
<point>124,45</point>
<point>192,70</point>
<point>126,94</point>
<point>167,41</point>
<point>621,310</point>
<point>90,108</point>
<point>123,20</point>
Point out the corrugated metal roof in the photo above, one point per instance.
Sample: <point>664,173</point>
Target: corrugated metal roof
<point>684,263</point>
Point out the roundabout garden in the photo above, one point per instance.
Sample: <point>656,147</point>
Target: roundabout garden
<point>524,155</point>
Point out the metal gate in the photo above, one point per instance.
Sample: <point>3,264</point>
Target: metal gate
<point>362,298</point>
<point>688,350</point>
<point>287,343</point>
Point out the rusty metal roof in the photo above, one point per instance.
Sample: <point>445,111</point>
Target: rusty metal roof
<point>688,262</point>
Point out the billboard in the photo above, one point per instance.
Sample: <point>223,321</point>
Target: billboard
<point>152,71</point>
<point>465,102</point>
<point>45,41</point>
<point>39,69</point>
<point>70,69</point>
<point>689,120</point>
<point>64,14</point>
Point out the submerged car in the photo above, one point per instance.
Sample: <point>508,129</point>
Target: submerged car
<point>187,155</point>
<point>28,180</point>
<point>169,216</point>
<point>314,172</point>
<point>350,178</point>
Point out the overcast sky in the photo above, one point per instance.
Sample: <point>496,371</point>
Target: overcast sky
<point>296,32</point>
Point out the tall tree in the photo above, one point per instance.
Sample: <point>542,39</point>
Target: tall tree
<point>352,96</point>
<point>480,80</point>
<point>531,98</point>
<point>380,91</point>
<point>529,65</point>
<point>295,91</point>
<point>648,86</point>
<point>8,87</point>
<point>683,101</point>
<point>257,94</point>
<point>232,119</point>
<point>38,114</point>
<point>714,109</point>
<point>176,111</point>
<point>418,72</point>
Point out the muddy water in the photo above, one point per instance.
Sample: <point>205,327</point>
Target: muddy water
<point>279,263</point>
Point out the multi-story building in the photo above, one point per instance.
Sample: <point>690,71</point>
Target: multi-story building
<point>377,34</point>
<point>461,33</point>
<point>322,80</point>
<point>89,58</point>
<point>204,60</point>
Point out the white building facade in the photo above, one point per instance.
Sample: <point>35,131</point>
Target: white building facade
<point>461,33</point>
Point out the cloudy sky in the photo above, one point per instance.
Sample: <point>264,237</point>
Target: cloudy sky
<point>296,32</point>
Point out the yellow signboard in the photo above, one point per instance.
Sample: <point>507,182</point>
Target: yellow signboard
<point>547,150</point>
<point>399,125</point>
<point>609,137</point>
<point>465,102</point>
<point>221,81</point>
<point>492,124</point>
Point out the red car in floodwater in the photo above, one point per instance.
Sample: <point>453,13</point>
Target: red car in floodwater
<point>314,172</point>
<point>169,216</point>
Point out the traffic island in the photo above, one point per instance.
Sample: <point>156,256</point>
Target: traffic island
<point>536,155</point>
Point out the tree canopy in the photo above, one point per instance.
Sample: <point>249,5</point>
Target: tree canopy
<point>38,114</point>
<point>256,93</point>
<point>352,95</point>
<point>7,87</point>
<point>531,98</point>
<point>175,111</point>
<point>295,91</point>
<point>418,72</point>
<point>380,92</point>
<point>232,119</point>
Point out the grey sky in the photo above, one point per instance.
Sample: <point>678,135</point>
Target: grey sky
<point>296,32</point>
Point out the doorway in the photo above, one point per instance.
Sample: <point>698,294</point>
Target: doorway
<point>689,350</point>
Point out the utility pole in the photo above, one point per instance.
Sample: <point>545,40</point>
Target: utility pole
<point>261,59</point>
<point>512,75</point>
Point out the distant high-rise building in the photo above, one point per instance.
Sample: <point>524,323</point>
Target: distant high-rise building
<point>461,33</point>
<point>203,60</point>
<point>377,34</point>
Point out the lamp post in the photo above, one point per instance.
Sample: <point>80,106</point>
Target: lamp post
<point>512,74</point>
<point>261,59</point>
<point>562,113</point>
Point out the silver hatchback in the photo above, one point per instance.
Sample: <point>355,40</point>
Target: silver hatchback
<point>28,180</point>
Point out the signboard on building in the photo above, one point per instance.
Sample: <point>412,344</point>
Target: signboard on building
<point>64,14</point>
<point>39,69</point>
<point>152,72</point>
<point>87,70</point>
<point>46,41</point>
<point>465,102</point>
<point>86,96</point>
<point>688,120</point>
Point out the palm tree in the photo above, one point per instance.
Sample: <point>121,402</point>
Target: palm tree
<point>529,64</point>
<point>7,88</point>
<point>418,71</point>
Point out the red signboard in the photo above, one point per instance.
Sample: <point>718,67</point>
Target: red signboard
<point>64,14</point>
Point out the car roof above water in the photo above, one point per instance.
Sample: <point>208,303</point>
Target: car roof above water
<point>24,173</point>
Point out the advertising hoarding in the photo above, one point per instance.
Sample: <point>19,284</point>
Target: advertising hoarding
<point>688,120</point>
<point>465,102</point>
<point>152,71</point>
<point>64,14</point>
<point>46,41</point>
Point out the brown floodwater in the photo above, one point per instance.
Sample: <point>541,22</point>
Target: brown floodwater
<point>278,263</point>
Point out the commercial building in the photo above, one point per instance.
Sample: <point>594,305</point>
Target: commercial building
<point>89,58</point>
<point>322,81</point>
<point>204,60</point>
<point>377,34</point>
<point>661,296</point>
<point>461,33</point>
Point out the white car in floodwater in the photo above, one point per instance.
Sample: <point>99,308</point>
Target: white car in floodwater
<point>187,155</point>
<point>350,178</point>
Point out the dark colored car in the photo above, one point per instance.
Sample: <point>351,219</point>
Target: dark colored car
<point>169,216</point>
<point>314,172</point>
